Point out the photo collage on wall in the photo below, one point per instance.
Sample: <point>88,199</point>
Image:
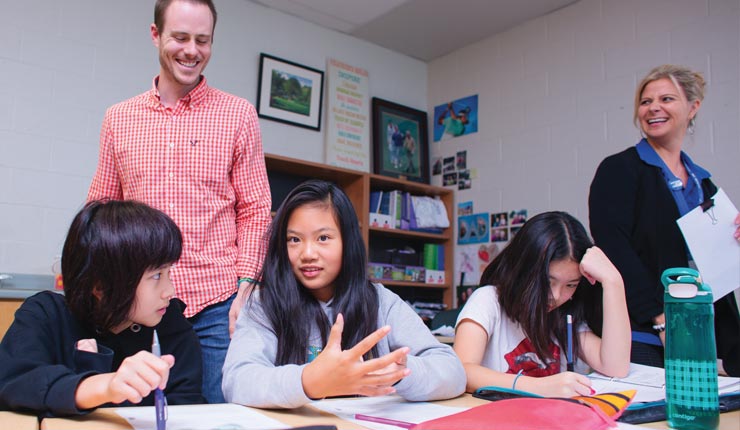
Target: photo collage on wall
<point>504,225</point>
<point>454,170</point>
<point>481,236</point>
<point>451,120</point>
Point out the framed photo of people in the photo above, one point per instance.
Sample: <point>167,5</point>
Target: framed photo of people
<point>289,92</point>
<point>400,145</point>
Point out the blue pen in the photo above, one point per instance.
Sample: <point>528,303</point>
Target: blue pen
<point>160,401</point>
<point>569,321</point>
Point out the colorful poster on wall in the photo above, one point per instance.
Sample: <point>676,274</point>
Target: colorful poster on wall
<point>468,269</point>
<point>348,117</point>
<point>472,261</point>
<point>456,118</point>
<point>472,228</point>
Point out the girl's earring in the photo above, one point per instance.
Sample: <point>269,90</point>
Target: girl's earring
<point>692,123</point>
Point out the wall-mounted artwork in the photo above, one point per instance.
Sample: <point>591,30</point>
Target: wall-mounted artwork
<point>400,145</point>
<point>289,92</point>
<point>347,138</point>
<point>472,228</point>
<point>456,118</point>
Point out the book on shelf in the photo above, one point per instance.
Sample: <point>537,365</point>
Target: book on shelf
<point>396,203</point>
<point>434,256</point>
<point>413,219</point>
<point>375,197</point>
<point>380,210</point>
<point>395,209</point>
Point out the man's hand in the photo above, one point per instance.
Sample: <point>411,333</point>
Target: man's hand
<point>242,294</point>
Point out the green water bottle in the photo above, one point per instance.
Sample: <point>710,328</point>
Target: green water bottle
<point>692,393</point>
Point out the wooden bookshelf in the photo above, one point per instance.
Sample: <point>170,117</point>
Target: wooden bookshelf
<point>285,173</point>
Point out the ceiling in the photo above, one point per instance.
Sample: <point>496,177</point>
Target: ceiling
<point>423,29</point>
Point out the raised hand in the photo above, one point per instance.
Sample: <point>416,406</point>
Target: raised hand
<point>335,372</point>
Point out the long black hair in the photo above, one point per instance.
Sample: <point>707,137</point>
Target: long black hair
<point>290,308</point>
<point>109,246</point>
<point>520,274</point>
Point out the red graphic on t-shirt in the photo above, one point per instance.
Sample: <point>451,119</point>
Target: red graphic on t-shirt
<point>524,358</point>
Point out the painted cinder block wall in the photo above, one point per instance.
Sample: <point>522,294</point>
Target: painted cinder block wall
<point>556,97</point>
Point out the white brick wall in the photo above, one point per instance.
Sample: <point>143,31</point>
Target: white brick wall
<point>556,95</point>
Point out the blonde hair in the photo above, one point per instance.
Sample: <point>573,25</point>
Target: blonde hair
<point>690,82</point>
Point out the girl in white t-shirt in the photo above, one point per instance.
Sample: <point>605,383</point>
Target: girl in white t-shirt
<point>513,332</point>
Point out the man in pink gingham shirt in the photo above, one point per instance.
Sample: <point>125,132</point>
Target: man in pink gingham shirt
<point>195,153</point>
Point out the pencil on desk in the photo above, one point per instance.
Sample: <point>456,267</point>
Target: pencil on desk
<point>381,420</point>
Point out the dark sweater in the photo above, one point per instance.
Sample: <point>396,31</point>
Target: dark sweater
<point>41,367</point>
<point>633,216</point>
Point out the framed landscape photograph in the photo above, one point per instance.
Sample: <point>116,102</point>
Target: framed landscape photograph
<point>400,145</point>
<point>289,92</point>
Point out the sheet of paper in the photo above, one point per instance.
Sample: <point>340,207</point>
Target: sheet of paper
<point>626,426</point>
<point>639,375</point>
<point>644,393</point>
<point>201,417</point>
<point>728,384</point>
<point>393,407</point>
<point>716,252</point>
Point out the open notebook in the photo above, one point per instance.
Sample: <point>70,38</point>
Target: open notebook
<point>649,382</point>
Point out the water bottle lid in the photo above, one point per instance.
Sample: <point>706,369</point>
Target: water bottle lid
<point>685,285</point>
<point>682,291</point>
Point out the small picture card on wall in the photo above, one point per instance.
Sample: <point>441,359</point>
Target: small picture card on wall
<point>463,180</point>
<point>462,160</point>
<point>448,164</point>
<point>437,167</point>
<point>465,208</point>
<point>500,219</point>
<point>518,217</point>
<point>449,179</point>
